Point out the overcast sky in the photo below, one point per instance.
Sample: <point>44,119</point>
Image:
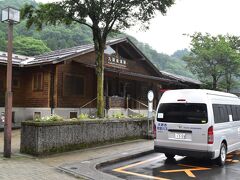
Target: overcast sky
<point>186,17</point>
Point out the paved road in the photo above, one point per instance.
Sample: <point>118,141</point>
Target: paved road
<point>22,167</point>
<point>156,166</point>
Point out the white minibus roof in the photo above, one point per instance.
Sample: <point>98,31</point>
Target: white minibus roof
<point>193,95</point>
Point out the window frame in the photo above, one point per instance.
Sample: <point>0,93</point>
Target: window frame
<point>41,83</point>
<point>185,114</point>
<point>1,85</point>
<point>18,86</point>
<point>230,109</point>
<point>74,75</point>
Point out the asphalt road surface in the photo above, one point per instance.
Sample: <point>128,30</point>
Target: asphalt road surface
<point>157,166</point>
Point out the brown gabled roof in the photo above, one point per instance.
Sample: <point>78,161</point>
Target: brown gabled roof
<point>53,57</point>
<point>145,57</point>
<point>180,78</point>
<point>16,58</point>
<point>58,56</point>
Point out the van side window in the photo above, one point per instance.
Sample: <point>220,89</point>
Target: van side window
<point>229,111</point>
<point>220,112</point>
<point>235,112</point>
<point>238,112</point>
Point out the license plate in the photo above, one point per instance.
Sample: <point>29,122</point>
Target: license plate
<point>180,135</point>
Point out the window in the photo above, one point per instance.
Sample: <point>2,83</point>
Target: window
<point>235,112</point>
<point>1,85</point>
<point>73,115</point>
<point>37,115</point>
<point>73,85</point>
<point>16,83</point>
<point>238,111</point>
<point>183,113</point>
<point>221,113</point>
<point>38,82</point>
<point>13,117</point>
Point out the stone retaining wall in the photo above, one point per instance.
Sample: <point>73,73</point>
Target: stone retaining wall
<point>41,138</point>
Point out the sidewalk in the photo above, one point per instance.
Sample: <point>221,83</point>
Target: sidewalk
<point>22,167</point>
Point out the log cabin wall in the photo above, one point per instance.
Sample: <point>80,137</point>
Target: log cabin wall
<point>22,87</point>
<point>140,67</point>
<point>65,99</point>
<point>26,95</point>
<point>2,85</point>
<point>132,65</point>
<point>26,100</point>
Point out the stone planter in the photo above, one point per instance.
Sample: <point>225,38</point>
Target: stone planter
<point>42,138</point>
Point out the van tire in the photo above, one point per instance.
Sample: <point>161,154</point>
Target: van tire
<point>169,156</point>
<point>222,156</point>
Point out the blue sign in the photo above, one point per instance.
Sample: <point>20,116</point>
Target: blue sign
<point>162,127</point>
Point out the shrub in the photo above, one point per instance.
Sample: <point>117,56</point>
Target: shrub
<point>118,115</point>
<point>83,116</point>
<point>52,117</point>
<point>137,116</point>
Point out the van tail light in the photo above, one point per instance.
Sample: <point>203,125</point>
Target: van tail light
<point>154,131</point>
<point>210,135</point>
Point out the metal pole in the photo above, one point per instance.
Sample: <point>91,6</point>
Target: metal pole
<point>148,120</point>
<point>8,100</point>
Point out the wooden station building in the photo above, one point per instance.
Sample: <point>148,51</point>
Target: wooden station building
<point>64,81</point>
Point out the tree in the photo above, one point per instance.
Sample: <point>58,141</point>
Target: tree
<point>3,44</point>
<point>231,62</point>
<point>180,53</point>
<point>29,46</point>
<point>102,16</point>
<point>213,59</point>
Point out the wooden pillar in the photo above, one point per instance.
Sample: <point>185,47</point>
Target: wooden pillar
<point>106,86</point>
<point>124,89</point>
<point>52,89</point>
<point>107,104</point>
<point>118,85</point>
<point>137,92</point>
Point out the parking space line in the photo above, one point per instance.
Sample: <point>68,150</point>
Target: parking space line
<point>139,175</point>
<point>187,171</point>
<point>123,169</point>
<point>140,163</point>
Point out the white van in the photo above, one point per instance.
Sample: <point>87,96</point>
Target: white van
<point>197,123</point>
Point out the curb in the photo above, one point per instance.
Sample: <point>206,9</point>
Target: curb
<point>73,174</point>
<point>121,159</point>
<point>90,169</point>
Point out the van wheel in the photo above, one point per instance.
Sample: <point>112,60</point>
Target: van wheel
<point>169,156</point>
<point>222,156</point>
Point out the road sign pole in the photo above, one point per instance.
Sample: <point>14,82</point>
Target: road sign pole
<point>150,109</point>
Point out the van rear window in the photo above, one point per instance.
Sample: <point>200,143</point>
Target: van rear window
<point>192,113</point>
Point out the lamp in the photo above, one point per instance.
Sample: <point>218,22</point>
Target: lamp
<point>11,16</point>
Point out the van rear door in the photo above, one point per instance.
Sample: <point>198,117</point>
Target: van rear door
<point>182,125</point>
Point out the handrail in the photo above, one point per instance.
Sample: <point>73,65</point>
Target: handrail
<point>88,103</point>
<point>139,102</point>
